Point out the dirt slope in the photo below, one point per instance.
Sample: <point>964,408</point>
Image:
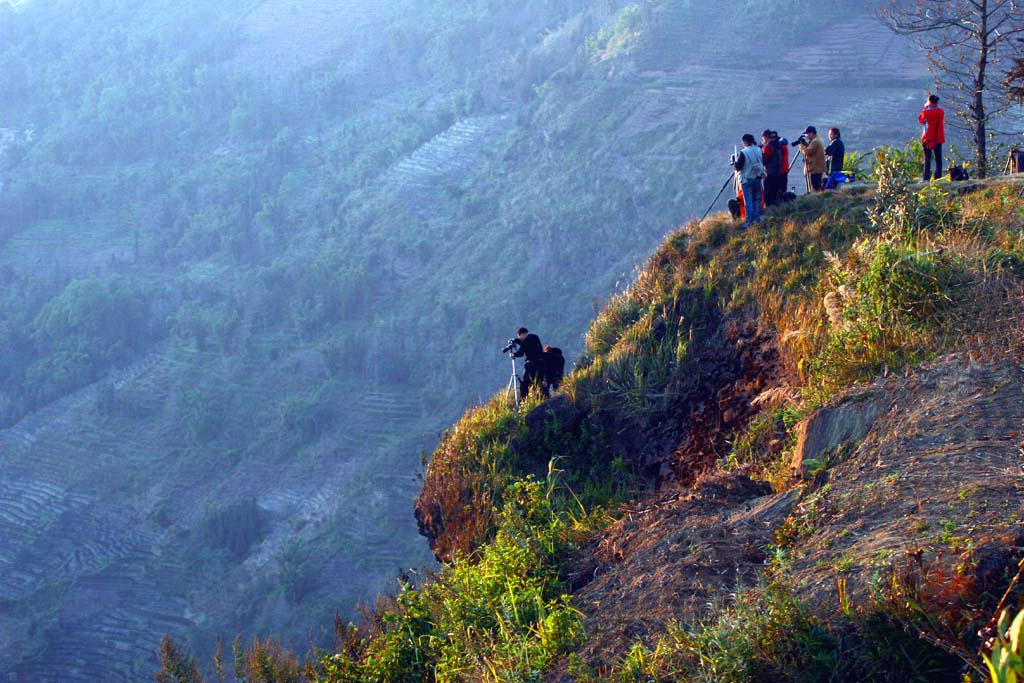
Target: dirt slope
<point>939,471</point>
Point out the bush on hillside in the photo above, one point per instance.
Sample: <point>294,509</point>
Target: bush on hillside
<point>502,618</point>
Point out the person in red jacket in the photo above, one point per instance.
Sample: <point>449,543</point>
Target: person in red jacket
<point>933,118</point>
<point>784,145</point>
<point>774,185</point>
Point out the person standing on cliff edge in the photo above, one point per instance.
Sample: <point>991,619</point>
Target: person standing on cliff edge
<point>814,158</point>
<point>775,178</point>
<point>749,166</point>
<point>533,372</point>
<point>933,118</point>
<point>835,153</point>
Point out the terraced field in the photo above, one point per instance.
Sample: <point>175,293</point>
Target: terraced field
<point>80,533</point>
<point>76,251</point>
<point>449,157</point>
<point>281,36</point>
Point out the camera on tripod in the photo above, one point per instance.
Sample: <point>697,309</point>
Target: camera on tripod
<point>802,140</point>
<point>512,344</point>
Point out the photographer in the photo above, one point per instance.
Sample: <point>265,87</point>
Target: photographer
<point>774,181</point>
<point>814,158</point>
<point>784,147</point>
<point>749,166</point>
<point>529,345</point>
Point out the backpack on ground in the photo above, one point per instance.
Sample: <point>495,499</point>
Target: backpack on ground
<point>734,208</point>
<point>838,178</point>
<point>958,173</point>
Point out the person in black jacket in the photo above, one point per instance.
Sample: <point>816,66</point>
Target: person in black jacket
<point>835,152</point>
<point>531,348</point>
<point>554,369</point>
<point>775,180</point>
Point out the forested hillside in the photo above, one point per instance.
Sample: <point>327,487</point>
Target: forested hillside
<point>254,256</point>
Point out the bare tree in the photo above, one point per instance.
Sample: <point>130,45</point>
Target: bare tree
<point>965,40</point>
<point>1015,81</point>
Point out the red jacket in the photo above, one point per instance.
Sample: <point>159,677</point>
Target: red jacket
<point>933,118</point>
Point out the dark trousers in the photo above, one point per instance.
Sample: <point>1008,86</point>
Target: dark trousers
<point>928,151</point>
<point>774,187</point>
<point>814,182</point>
<point>532,373</point>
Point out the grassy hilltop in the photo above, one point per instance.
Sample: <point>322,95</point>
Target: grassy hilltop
<point>789,453</point>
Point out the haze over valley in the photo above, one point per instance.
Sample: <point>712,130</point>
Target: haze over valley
<point>256,256</point>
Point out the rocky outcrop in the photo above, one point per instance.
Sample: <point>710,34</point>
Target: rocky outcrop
<point>935,483</point>
<point>823,436</point>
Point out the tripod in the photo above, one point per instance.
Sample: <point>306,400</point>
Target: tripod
<point>796,158</point>
<point>1014,162</point>
<point>720,192</point>
<point>513,383</point>
<point>1014,165</point>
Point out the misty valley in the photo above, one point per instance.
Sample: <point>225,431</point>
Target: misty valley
<point>258,256</point>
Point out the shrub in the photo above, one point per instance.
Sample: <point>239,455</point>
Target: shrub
<point>1006,663</point>
<point>234,528</point>
<point>502,618</point>
<point>906,163</point>
<point>202,413</point>
<point>176,664</point>
<point>309,415</point>
<point>618,39</point>
<point>763,635</point>
<point>856,163</point>
<point>888,310</point>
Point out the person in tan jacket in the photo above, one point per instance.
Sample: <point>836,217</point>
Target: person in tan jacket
<point>814,158</point>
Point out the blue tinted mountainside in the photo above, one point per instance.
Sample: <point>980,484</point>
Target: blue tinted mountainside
<point>255,256</point>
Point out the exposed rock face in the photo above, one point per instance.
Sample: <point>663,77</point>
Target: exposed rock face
<point>831,429</point>
<point>737,365</point>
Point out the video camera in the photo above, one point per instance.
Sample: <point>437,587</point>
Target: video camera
<point>512,344</point>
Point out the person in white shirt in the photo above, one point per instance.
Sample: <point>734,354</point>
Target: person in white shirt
<point>750,174</point>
